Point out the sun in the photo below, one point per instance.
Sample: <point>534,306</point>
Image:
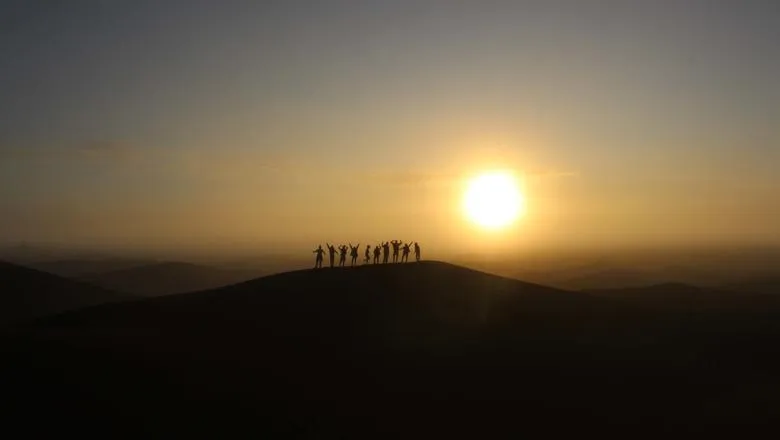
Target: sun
<point>493,200</point>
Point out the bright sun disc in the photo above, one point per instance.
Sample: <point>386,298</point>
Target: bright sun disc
<point>493,200</point>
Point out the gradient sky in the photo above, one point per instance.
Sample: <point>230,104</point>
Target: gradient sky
<point>285,123</point>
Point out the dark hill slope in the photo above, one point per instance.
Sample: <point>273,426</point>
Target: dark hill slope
<point>167,278</point>
<point>692,299</point>
<point>28,293</point>
<point>74,268</point>
<point>668,295</point>
<point>439,292</point>
<point>416,350</point>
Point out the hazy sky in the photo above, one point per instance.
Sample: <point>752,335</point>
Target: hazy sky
<point>269,123</point>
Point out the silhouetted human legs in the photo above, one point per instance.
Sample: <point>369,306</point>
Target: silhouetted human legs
<point>319,252</point>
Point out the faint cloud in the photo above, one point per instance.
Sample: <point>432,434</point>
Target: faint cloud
<point>413,178</point>
<point>552,174</point>
<point>421,178</point>
<point>108,149</point>
<point>11,152</point>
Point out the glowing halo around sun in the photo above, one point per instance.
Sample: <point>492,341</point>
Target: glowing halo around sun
<point>493,200</point>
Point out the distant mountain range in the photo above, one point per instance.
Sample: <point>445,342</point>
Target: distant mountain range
<point>167,278</point>
<point>75,268</point>
<point>28,293</point>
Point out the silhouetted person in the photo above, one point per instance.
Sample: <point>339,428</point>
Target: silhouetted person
<point>320,252</point>
<point>406,248</point>
<point>367,258</point>
<point>353,252</point>
<point>342,255</point>
<point>396,244</point>
<point>377,253</point>
<point>385,252</point>
<point>332,252</point>
<point>417,251</point>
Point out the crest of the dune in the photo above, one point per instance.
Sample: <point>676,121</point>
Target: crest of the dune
<point>427,297</point>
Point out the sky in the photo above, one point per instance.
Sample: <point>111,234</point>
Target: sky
<point>281,124</point>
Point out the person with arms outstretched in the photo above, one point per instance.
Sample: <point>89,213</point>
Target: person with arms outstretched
<point>342,255</point>
<point>417,251</point>
<point>396,244</point>
<point>353,252</point>
<point>320,252</point>
<point>385,252</point>
<point>406,248</point>
<point>332,253</point>
<point>377,253</point>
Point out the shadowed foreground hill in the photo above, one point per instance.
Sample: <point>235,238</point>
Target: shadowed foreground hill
<point>28,293</point>
<point>691,299</point>
<point>416,350</point>
<point>167,278</point>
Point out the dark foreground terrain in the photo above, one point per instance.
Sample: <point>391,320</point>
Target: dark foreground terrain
<point>426,350</point>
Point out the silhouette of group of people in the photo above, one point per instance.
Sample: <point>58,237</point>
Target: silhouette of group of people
<point>381,250</point>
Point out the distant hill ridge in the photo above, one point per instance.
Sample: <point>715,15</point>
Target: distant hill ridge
<point>167,278</point>
<point>28,293</point>
<point>452,297</point>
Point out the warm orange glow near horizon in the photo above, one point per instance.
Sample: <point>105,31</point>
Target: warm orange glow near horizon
<point>493,200</point>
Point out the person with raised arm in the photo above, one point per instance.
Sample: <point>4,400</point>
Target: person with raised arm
<point>396,245</point>
<point>406,248</point>
<point>353,252</point>
<point>385,252</point>
<point>332,253</point>
<point>320,252</point>
<point>342,255</point>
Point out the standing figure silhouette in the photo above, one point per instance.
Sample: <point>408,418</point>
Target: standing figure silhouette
<point>353,252</point>
<point>385,252</point>
<point>396,244</point>
<point>417,251</point>
<point>377,253</point>
<point>320,252</point>
<point>406,248</point>
<point>342,255</point>
<point>331,252</point>
<point>367,258</point>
